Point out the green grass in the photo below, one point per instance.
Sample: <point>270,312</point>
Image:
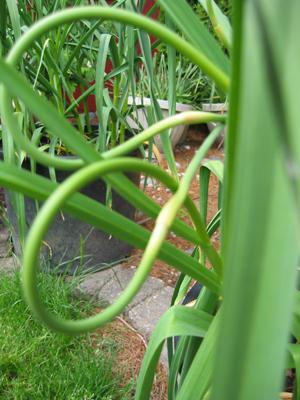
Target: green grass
<point>38,363</point>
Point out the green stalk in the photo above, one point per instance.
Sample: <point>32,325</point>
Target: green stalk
<point>217,27</point>
<point>85,105</point>
<point>122,129</point>
<point>3,13</point>
<point>42,222</point>
<point>169,211</point>
<point>114,125</point>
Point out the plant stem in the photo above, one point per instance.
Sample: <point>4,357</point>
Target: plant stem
<point>217,27</point>
<point>3,12</point>
<point>122,129</point>
<point>114,125</point>
<point>43,220</point>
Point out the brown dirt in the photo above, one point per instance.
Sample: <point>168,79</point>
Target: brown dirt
<point>183,155</point>
<point>132,348</point>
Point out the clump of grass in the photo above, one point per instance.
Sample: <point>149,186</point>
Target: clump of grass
<point>36,362</point>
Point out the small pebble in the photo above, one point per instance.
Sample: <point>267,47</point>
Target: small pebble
<point>168,190</point>
<point>177,164</point>
<point>205,160</point>
<point>188,147</point>
<point>159,199</point>
<point>215,158</point>
<point>189,251</point>
<point>154,197</point>
<point>140,214</point>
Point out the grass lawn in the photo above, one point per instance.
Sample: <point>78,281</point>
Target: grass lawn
<point>36,362</point>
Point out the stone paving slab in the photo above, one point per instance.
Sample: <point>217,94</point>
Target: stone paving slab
<point>9,264</point>
<point>113,289</point>
<point>146,315</point>
<point>144,311</point>
<point>5,245</point>
<point>93,283</point>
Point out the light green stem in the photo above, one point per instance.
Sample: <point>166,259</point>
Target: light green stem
<point>217,27</point>
<point>41,224</point>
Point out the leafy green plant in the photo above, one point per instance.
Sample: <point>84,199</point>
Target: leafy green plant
<point>188,82</point>
<point>236,349</point>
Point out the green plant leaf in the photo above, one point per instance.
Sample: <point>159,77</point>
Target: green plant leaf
<point>177,321</point>
<point>260,232</point>
<point>222,19</point>
<point>186,20</point>
<point>199,375</point>
<point>99,87</point>
<point>294,350</point>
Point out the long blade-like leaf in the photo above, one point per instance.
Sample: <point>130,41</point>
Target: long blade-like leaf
<point>260,229</point>
<point>186,20</point>
<point>177,321</point>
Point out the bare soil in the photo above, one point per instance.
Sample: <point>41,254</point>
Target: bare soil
<point>132,347</point>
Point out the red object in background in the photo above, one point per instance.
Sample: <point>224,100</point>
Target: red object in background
<point>91,99</point>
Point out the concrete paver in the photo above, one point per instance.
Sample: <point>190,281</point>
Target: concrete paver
<point>113,289</point>
<point>146,315</point>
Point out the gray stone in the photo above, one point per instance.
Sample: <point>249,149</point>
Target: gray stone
<point>113,289</point>
<point>189,251</point>
<point>5,245</point>
<point>205,160</point>
<point>9,265</point>
<point>146,315</point>
<point>215,158</point>
<point>150,182</point>
<point>94,282</point>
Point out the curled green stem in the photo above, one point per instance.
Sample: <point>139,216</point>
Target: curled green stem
<point>40,226</point>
